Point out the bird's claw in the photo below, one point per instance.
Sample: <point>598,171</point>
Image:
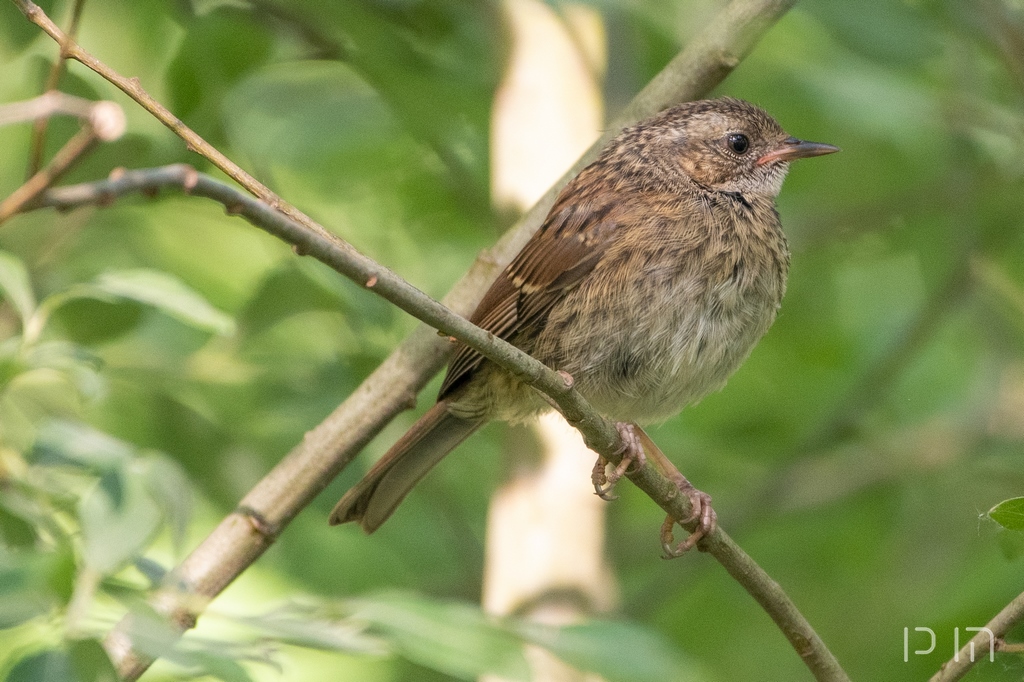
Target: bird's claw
<point>601,480</point>
<point>702,512</point>
<point>632,454</point>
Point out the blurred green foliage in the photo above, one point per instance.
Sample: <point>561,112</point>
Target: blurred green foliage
<point>157,357</point>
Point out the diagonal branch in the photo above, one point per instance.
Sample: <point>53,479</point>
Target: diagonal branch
<point>978,647</point>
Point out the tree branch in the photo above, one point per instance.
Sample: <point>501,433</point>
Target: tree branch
<point>69,49</point>
<point>244,535</point>
<point>977,648</point>
<point>35,157</point>
<point>101,121</point>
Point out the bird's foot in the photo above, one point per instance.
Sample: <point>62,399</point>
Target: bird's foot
<point>632,454</point>
<point>703,513</point>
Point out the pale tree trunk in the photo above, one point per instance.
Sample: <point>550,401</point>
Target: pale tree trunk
<point>545,528</point>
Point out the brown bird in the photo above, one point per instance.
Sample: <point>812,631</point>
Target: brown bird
<point>658,269</point>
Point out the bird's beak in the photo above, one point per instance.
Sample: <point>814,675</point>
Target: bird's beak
<point>792,148</point>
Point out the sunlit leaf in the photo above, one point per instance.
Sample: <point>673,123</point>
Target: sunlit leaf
<point>15,531</point>
<point>167,293</point>
<point>44,666</point>
<point>312,626</point>
<point>618,652</point>
<point>457,639</point>
<point>153,635</point>
<point>116,527</point>
<point>1009,513</point>
<point>70,441</point>
<point>90,662</point>
<point>222,668</point>
<point>23,589</point>
<point>16,287</point>
<point>170,489</point>
<point>88,316</point>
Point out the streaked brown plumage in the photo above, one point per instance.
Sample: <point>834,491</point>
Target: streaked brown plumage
<point>656,272</point>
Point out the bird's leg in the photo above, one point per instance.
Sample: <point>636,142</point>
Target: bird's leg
<point>700,502</point>
<point>632,453</point>
<point>636,447</point>
<point>703,513</point>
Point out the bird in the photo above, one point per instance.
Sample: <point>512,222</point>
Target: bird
<point>657,270</point>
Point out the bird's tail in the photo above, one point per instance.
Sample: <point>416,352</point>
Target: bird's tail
<point>378,494</point>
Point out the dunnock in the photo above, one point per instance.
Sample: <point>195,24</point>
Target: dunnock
<point>658,269</point>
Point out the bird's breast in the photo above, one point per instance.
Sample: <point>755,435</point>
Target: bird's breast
<point>665,319</point>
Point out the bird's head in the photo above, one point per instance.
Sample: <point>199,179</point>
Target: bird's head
<point>730,145</point>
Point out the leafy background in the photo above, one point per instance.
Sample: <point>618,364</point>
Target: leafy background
<point>157,357</point>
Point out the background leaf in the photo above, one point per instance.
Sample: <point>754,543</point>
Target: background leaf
<point>16,287</point>
<point>44,666</point>
<point>118,520</point>
<point>453,638</point>
<point>1009,513</point>
<point>617,651</point>
<point>167,293</point>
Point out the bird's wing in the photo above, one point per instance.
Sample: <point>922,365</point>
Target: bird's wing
<point>565,249</point>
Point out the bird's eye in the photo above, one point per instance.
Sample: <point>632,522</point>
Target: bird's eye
<point>738,142</point>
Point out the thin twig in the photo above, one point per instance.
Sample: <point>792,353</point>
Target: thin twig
<point>1004,647</point>
<point>105,122</point>
<point>44,106</point>
<point>133,88</point>
<point>262,520</point>
<point>35,157</point>
<point>73,150</point>
<point>978,646</point>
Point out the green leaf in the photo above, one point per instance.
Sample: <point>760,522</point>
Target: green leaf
<point>1011,544</point>
<point>169,487</point>
<point>167,293</point>
<point>11,364</point>
<point>90,662</point>
<point>45,666</point>
<point>91,317</point>
<point>340,116</point>
<point>24,593</point>
<point>61,572</point>
<point>60,440</point>
<point>221,667</point>
<point>15,531</point>
<point>617,651</point>
<point>17,33</point>
<point>316,626</point>
<point>456,639</point>
<point>117,521</point>
<point>217,50</point>
<point>153,635</point>
<point>1009,513</point>
<point>16,286</point>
